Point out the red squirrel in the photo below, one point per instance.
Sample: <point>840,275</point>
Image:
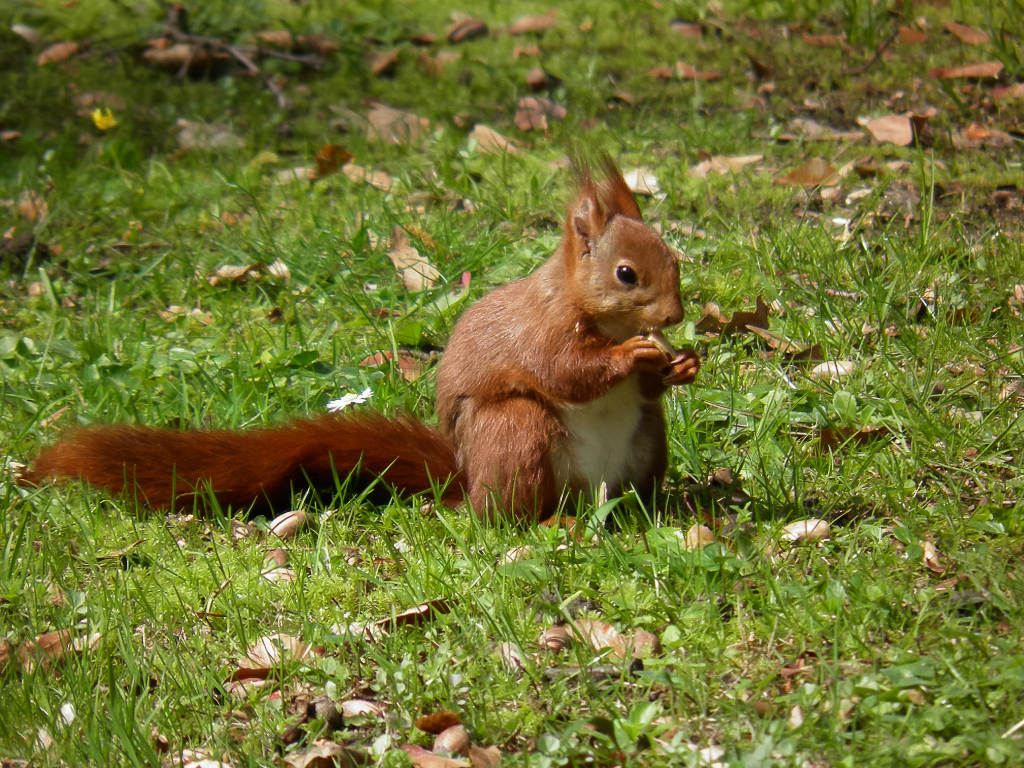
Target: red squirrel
<point>549,384</point>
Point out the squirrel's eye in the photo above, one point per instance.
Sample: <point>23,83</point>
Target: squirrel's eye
<point>625,275</point>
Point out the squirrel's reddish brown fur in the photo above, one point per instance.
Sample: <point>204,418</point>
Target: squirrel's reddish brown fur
<point>548,384</point>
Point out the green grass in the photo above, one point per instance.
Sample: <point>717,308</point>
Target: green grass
<point>851,651</point>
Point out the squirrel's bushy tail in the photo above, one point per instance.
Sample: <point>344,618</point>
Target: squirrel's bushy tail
<point>258,468</point>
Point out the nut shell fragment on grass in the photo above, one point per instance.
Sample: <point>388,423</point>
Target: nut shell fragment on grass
<point>290,523</point>
<point>698,537</point>
<point>452,741</point>
<point>808,530</point>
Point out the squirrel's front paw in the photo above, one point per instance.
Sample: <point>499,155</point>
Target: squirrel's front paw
<point>641,354</point>
<point>683,368</point>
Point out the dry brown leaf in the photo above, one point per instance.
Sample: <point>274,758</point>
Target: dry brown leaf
<point>58,53</point>
<point>713,321</point>
<point>661,73</point>
<point>327,754</point>
<point>453,740</point>
<point>723,164</point>
<point>484,757</point>
<point>816,172</point>
<point>383,63</point>
<point>466,29</point>
<point>984,69</point>
<point>329,158</point>
<point>490,141</point>
<point>1009,92</point>
<point>409,365</point>
<point>911,36</point>
<point>966,34</point>
<point>395,126</point>
<point>54,647</point>
<point>812,529</point>
<point>823,41</point>
<point>831,438</point>
<point>932,559</point>
<point>698,537</point>
<point>416,616</point>
<point>376,179</point>
<point>278,38</point>
<point>416,271</point>
<point>424,758</point>
<point>533,113</point>
<point>891,129</point>
<point>271,650</point>
<point>689,72</point>
<point>525,24</point>
<point>32,206</point>
<point>206,136</point>
<point>600,635</point>
<point>361,708</point>
<point>437,722</point>
<point>231,273</point>
<point>319,43</point>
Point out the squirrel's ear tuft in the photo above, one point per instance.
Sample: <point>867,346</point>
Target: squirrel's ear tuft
<point>616,196</point>
<point>587,217</point>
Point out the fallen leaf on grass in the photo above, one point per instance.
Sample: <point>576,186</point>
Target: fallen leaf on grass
<point>26,33</point>
<point>833,370</point>
<point>377,179</point>
<point>713,321</point>
<point>532,113</point>
<point>985,69</point>
<point>689,72</point>
<point>466,29</point>
<point>32,206</point>
<point>931,558</point>
<point>327,754</point>
<point>831,438</point>
<point>890,129</point>
<point>823,41</point>
<point>394,126</point>
<point>361,708</point>
<point>525,24</point>
<point>57,53</point>
<point>641,182</point>
<point>256,271</point>
<point>911,36</point>
<point>438,722</point>
<point>490,141</point>
<point>329,158</point>
<point>812,529</point>
<point>697,537</point>
<point>49,649</point>
<point>723,164</point>
<point>792,351</point>
<point>409,365</point>
<point>204,136</point>
<point>287,525</point>
<point>600,635</point>
<point>451,741</point>
<point>383,63</point>
<point>816,172</point>
<point>271,650</point>
<point>966,34</point>
<point>424,758</point>
<point>1008,92</point>
<point>416,271</point>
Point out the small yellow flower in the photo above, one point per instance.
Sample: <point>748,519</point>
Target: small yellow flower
<point>103,119</point>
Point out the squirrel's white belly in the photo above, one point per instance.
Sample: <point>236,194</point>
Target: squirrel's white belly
<point>599,445</point>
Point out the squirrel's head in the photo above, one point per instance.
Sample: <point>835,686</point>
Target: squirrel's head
<point>619,270</point>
